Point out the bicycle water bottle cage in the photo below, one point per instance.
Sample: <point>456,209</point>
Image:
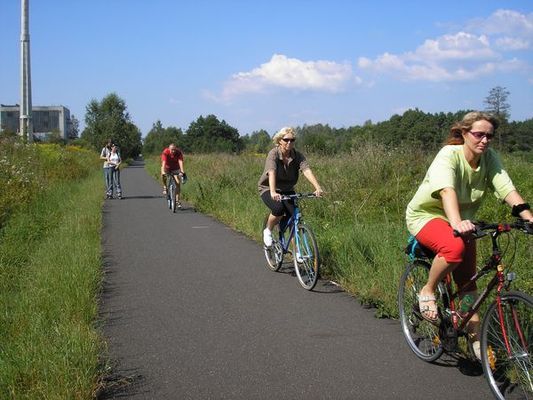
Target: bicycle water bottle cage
<point>416,250</point>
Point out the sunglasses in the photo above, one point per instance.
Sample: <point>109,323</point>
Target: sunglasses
<point>481,135</point>
<point>288,140</point>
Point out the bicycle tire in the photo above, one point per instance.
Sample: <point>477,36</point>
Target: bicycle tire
<point>167,198</point>
<point>510,376</point>
<point>172,194</point>
<point>274,253</point>
<point>306,257</point>
<point>422,336</point>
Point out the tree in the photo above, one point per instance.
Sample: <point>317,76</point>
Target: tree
<point>496,103</point>
<point>74,127</point>
<point>109,119</point>
<point>208,134</point>
<point>158,138</point>
<point>259,142</point>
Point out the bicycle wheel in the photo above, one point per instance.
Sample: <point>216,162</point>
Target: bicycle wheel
<point>274,253</point>
<point>306,257</point>
<point>506,340</point>
<point>421,336</point>
<point>167,197</point>
<point>172,195</point>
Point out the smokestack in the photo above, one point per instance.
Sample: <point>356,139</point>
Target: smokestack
<point>26,125</point>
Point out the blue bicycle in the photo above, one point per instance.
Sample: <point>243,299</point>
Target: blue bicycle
<point>293,236</point>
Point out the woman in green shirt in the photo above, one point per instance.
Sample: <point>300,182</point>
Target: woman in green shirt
<point>463,171</point>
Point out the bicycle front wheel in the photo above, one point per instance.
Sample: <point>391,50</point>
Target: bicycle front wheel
<point>273,253</point>
<point>306,257</point>
<point>422,336</point>
<point>172,194</point>
<point>506,340</point>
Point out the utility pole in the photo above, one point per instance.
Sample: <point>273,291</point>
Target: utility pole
<point>26,124</point>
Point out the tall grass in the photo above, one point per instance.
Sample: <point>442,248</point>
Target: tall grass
<point>359,223</point>
<point>50,274</point>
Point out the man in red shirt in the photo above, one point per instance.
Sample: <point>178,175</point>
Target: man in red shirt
<point>172,163</point>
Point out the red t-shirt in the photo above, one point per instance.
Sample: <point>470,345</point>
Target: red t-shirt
<point>171,159</point>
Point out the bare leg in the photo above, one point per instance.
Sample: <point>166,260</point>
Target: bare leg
<point>164,180</point>
<point>438,271</point>
<point>178,188</point>
<point>272,221</point>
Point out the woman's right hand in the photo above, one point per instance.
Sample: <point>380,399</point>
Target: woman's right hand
<point>275,196</point>
<point>464,227</point>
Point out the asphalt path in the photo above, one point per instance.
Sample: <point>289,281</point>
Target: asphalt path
<point>189,311</point>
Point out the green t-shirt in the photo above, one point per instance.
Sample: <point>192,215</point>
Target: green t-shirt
<point>450,169</point>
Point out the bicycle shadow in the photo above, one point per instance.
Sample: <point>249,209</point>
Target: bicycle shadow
<point>324,286</point>
<point>466,365</point>
<point>138,197</point>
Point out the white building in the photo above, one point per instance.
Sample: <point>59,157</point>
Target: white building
<point>45,120</point>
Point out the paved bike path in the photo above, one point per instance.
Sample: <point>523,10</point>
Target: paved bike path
<point>190,312</point>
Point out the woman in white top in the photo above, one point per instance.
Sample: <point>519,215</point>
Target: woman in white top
<point>114,162</point>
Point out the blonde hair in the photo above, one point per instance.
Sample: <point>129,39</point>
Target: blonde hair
<point>282,132</point>
<point>457,130</point>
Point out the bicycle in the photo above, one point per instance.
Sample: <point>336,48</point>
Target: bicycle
<point>506,331</point>
<point>171,189</point>
<point>293,233</point>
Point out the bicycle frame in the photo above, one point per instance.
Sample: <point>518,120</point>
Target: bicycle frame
<point>292,224</point>
<point>173,176</point>
<point>498,281</point>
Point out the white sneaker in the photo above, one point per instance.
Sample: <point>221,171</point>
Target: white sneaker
<point>267,237</point>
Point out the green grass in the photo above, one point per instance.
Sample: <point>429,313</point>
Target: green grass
<point>50,277</point>
<point>359,224</point>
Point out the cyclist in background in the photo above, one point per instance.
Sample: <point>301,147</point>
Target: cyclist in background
<point>282,167</point>
<point>172,163</point>
<point>463,171</point>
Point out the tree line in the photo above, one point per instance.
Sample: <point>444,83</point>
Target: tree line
<point>109,118</point>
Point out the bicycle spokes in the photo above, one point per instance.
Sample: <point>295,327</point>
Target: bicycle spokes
<point>306,257</point>
<point>422,336</point>
<point>506,340</point>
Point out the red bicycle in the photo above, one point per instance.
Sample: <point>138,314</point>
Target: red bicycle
<point>506,330</point>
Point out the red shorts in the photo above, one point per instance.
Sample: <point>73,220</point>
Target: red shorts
<point>437,235</point>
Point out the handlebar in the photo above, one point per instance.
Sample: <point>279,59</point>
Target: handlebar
<point>180,174</point>
<point>484,228</point>
<point>298,196</point>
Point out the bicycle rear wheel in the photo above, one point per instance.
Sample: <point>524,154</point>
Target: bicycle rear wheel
<point>506,340</point>
<point>274,253</point>
<point>306,257</point>
<point>422,336</point>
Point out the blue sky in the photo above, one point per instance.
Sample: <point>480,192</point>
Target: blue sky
<point>268,64</point>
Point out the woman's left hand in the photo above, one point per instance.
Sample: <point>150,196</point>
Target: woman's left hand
<point>319,192</point>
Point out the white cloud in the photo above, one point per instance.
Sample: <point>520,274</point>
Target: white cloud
<point>290,73</point>
<point>477,51</point>
<point>506,22</point>
<point>510,29</point>
<point>511,43</point>
<point>460,46</point>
